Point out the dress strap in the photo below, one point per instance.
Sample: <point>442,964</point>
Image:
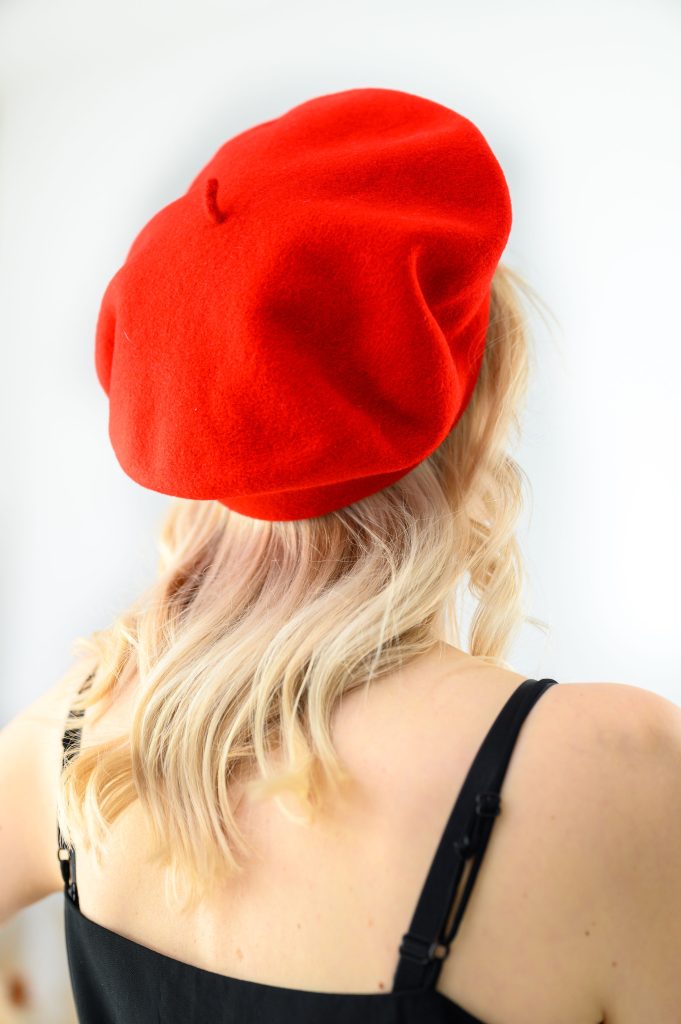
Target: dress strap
<point>426,944</point>
<point>71,745</point>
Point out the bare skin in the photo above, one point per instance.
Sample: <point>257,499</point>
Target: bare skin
<point>324,908</point>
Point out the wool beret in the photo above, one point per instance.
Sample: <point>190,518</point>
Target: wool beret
<point>306,323</point>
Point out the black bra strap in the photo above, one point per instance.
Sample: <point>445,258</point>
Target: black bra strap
<point>67,857</point>
<point>466,834</point>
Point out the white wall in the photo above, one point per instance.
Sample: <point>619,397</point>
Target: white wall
<point>108,111</point>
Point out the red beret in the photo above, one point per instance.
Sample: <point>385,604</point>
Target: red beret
<point>307,322</point>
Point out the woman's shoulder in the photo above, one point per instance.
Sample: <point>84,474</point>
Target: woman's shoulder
<point>626,848</point>
<point>559,885</point>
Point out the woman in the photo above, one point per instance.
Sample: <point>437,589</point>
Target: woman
<point>295,793</point>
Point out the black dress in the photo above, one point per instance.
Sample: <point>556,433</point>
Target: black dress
<point>118,981</point>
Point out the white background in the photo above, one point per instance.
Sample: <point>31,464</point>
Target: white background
<point>108,111</point>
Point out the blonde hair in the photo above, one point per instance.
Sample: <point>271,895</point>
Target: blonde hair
<point>253,630</point>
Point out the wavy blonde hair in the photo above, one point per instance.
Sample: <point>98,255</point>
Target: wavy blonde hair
<point>253,630</point>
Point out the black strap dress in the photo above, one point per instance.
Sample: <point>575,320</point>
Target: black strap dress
<point>118,981</point>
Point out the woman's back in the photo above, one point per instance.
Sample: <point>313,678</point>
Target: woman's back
<point>324,908</point>
<point>318,354</point>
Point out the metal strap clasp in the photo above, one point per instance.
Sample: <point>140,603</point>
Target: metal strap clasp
<point>64,856</point>
<point>422,951</point>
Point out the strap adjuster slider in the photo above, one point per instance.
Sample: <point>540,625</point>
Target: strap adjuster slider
<point>422,951</point>
<point>487,804</point>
